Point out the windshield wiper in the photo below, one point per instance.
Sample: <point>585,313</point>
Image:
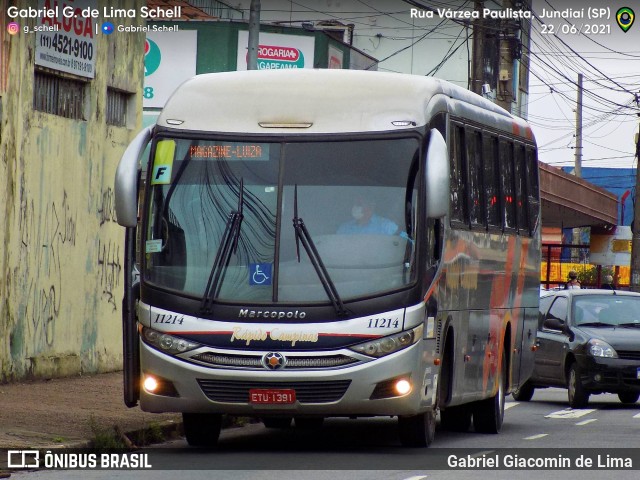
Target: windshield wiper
<point>629,324</point>
<point>302,235</point>
<point>228,246</point>
<point>594,324</point>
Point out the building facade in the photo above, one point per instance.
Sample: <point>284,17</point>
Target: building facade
<point>69,105</point>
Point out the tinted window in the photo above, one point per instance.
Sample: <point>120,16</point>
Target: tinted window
<point>521,192</point>
<point>474,164</point>
<point>558,310</point>
<point>458,196</point>
<point>506,180</point>
<point>531,162</point>
<point>545,302</point>
<point>491,180</point>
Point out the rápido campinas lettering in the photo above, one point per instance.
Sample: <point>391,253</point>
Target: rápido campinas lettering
<point>249,335</point>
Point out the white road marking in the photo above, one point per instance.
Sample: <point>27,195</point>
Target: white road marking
<point>586,422</point>
<point>417,477</point>
<point>536,437</point>
<point>507,406</point>
<point>570,413</point>
<point>637,415</point>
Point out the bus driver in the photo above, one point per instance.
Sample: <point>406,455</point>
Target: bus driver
<point>366,221</point>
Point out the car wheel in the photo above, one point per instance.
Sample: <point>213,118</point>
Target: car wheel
<point>629,397</point>
<point>417,430</point>
<point>456,419</point>
<point>578,396</point>
<point>488,414</point>
<point>202,429</point>
<point>523,393</point>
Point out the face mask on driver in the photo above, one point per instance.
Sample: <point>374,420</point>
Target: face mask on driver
<point>357,212</point>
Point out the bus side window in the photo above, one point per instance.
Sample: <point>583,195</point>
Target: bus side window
<point>457,167</point>
<point>531,163</point>
<point>491,180</point>
<point>522,208</point>
<point>506,180</point>
<point>474,177</point>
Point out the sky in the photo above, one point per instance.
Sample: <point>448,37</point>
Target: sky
<point>610,64</point>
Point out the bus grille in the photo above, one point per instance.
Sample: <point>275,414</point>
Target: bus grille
<point>237,391</point>
<point>253,362</point>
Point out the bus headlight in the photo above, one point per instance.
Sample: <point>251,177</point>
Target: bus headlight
<point>165,342</point>
<point>390,344</point>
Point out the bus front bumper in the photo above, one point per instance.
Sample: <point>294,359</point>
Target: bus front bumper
<point>364,389</point>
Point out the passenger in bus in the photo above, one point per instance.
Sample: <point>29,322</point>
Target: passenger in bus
<point>573,281</point>
<point>365,220</point>
<point>607,283</point>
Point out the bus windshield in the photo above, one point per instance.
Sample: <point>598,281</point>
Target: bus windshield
<point>357,199</point>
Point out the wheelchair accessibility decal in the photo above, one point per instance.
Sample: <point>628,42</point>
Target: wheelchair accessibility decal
<point>260,273</point>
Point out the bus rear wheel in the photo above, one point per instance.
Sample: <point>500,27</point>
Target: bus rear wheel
<point>202,429</point>
<point>417,430</point>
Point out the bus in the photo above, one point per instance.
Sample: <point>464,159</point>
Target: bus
<point>251,290</point>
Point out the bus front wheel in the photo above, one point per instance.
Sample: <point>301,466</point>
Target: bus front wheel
<point>202,429</point>
<point>417,430</point>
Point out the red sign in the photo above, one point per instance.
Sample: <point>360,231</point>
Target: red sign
<point>270,52</point>
<point>272,396</point>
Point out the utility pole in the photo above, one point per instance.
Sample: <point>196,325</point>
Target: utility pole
<point>477,66</point>
<point>635,228</point>
<point>254,33</point>
<point>505,93</point>
<point>578,161</point>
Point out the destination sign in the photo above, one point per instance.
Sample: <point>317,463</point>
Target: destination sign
<point>230,151</point>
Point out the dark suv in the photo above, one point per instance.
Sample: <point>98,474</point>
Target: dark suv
<point>589,343</point>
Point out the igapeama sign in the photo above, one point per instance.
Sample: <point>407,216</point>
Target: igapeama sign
<point>277,51</point>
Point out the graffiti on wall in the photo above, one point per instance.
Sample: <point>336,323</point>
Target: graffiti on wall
<point>110,269</point>
<point>45,236</point>
<point>107,207</point>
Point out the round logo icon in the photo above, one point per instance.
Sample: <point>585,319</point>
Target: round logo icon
<point>13,28</point>
<point>274,361</point>
<point>108,28</point>
<point>152,57</point>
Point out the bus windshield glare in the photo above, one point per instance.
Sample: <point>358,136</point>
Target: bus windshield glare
<point>357,199</point>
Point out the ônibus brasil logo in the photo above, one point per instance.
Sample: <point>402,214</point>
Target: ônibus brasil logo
<point>274,57</point>
<point>152,57</point>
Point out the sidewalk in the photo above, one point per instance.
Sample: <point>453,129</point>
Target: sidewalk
<point>72,412</point>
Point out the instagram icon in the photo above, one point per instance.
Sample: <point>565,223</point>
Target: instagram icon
<point>13,28</point>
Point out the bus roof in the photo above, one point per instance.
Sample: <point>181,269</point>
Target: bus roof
<point>314,101</point>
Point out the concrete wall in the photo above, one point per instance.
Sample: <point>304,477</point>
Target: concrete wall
<point>61,255</point>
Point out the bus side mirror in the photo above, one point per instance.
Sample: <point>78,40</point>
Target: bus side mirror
<point>437,176</point>
<point>126,182</point>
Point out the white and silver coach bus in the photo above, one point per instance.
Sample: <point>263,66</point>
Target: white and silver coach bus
<point>307,244</point>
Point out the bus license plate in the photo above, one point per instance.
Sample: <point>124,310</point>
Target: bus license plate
<point>277,396</point>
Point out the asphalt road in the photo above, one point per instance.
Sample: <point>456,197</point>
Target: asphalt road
<point>369,448</point>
